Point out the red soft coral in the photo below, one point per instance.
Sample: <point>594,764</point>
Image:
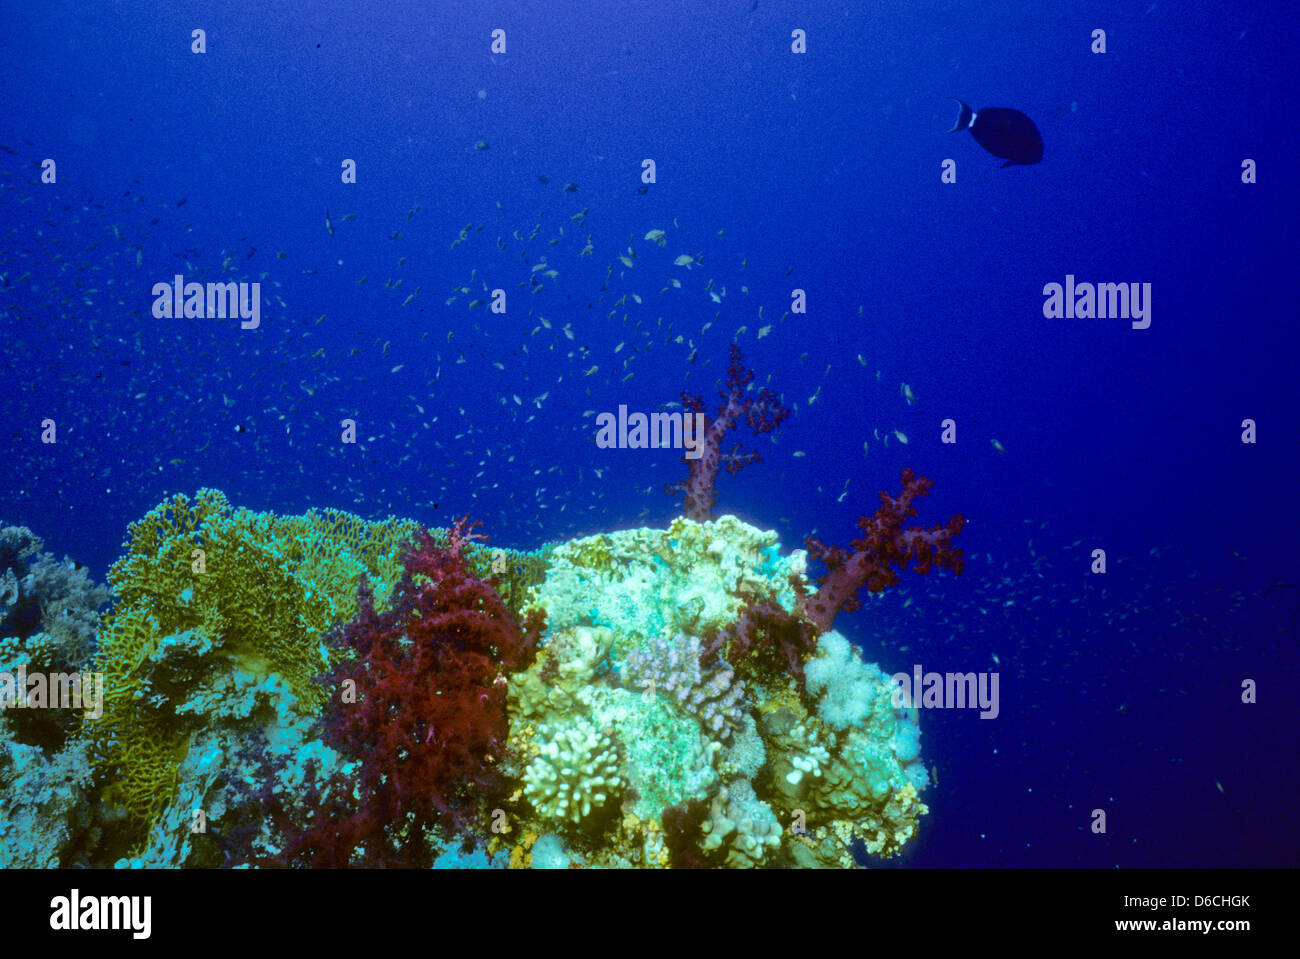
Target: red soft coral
<point>429,715</point>
<point>885,548</point>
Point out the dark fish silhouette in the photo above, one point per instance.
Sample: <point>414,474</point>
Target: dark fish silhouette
<point>1005,133</point>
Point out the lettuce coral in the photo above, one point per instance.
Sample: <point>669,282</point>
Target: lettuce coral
<point>260,589</point>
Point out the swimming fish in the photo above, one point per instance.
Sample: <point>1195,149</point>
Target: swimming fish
<point>1006,133</point>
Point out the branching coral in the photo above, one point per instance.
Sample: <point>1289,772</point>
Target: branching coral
<point>761,412</point>
<point>672,666</point>
<point>886,548</point>
<point>577,771</point>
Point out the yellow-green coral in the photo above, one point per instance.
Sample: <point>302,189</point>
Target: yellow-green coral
<point>513,572</point>
<point>260,587</point>
<point>593,553</point>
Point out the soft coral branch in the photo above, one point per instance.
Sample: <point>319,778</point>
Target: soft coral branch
<point>762,412</point>
<point>885,548</point>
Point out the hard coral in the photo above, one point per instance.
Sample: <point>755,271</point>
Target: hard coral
<point>429,716</point>
<point>761,412</point>
<point>260,588</point>
<point>575,773</point>
<point>885,548</point>
<point>713,696</point>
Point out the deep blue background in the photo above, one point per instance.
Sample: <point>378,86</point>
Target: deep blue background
<point>1119,693</point>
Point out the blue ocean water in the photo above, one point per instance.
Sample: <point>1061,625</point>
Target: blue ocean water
<point>777,171</point>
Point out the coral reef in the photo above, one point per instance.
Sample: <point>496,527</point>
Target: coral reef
<point>633,698</point>
<point>256,590</point>
<point>42,821</point>
<point>713,697</point>
<point>49,611</point>
<point>318,690</point>
<point>48,614</point>
<point>762,413</point>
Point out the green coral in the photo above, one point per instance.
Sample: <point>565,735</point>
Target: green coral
<point>575,772</point>
<point>254,591</point>
<point>513,573</point>
<point>594,553</point>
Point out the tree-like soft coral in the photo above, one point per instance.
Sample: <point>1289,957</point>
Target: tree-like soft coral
<point>885,548</point>
<point>762,412</point>
<point>429,716</point>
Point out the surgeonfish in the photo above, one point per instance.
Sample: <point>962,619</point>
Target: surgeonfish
<point>1006,133</point>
